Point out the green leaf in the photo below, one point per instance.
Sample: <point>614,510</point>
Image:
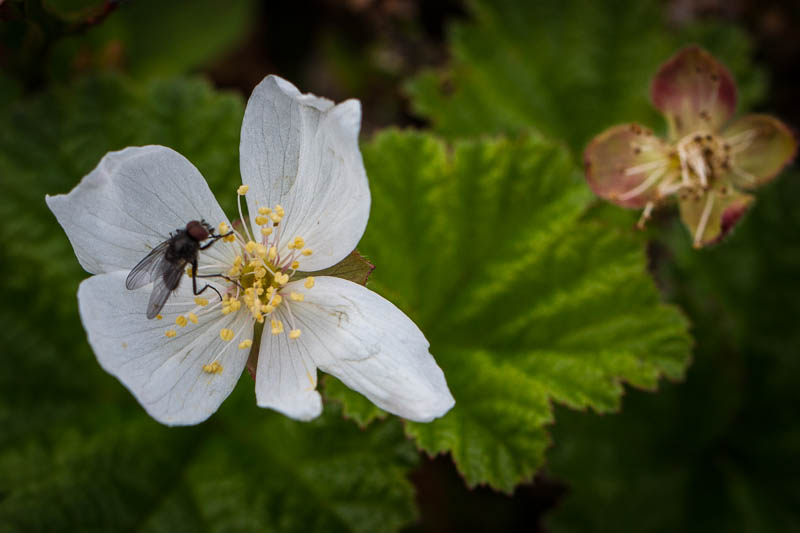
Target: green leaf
<point>77,453</point>
<point>355,406</point>
<point>567,68</point>
<point>355,267</point>
<point>523,302</point>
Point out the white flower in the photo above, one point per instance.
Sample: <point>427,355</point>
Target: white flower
<point>308,202</point>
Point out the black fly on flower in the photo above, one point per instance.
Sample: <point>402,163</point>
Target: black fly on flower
<point>165,264</point>
<point>303,182</point>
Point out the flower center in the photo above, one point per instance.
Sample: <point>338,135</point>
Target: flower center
<point>256,279</point>
<point>703,157</point>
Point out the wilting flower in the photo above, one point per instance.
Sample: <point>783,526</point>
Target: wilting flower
<point>308,202</point>
<point>706,163</point>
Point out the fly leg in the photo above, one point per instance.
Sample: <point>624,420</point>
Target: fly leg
<point>214,238</point>
<point>194,282</point>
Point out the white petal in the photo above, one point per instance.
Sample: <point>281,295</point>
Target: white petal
<point>368,343</point>
<point>130,203</point>
<point>286,378</point>
<point>164,374</point>
<point>301,152</point>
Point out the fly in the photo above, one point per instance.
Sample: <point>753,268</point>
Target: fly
<point>165,264</point>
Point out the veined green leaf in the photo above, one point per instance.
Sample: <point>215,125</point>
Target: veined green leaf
<point>523,301</point>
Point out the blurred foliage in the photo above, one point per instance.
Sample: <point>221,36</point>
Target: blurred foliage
<point>61,39</point>
<point>717,453</point>
<point>568,69</point>
<point>76,451</point>
<point>523,303</point>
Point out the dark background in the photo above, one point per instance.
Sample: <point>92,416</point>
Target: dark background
<point>718,452</point>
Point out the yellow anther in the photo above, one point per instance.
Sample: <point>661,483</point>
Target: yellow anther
<point>230,238</point>
<point>250,247</point>
<point>237,261</point>
<point>279,210</point>
<point>299,242</point>
<point>200,301</point>
<point>276,300</point>
<point>213,368</point>
<point>267,309</point>
<point>171,333</point>
<point>307,252</point>
<point>277,327</point>
<point>189,271</point>
<point>223,227</point>
<point>181,320</point>
<point>235,305</point>
<point>226,334</point>
<point>309,282</point>
<point>261,250</point>
<point>294,333</point>
<point>266,231</point>
<point>261,220</point>
<point>273,253</point>
<point>193,318</point>
<point>295,265</point>
<point>297,296</point>
<point>264,210</point>
<point>260,272</point>
<point>281,279</point>
<point>159,317</point>
<point>245,344</point>
<point>234,271</point>
<point>275,217</point>
<point>242,190</point>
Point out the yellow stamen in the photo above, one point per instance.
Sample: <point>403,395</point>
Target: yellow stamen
<point>264,210</point>
<point>279,210</point>
<point>275,217</point>
<point>181,320</point>
<point>297,296</point>
<point>223,228</point>
<point>245,344</point>
<point>230,238</point>
<point>250,247</point>
<point>213,368</point>
<point>266,231</point>
<point>171,333</point>
<point>307,252</point>
<point>202,302</point>
<point>295,265</point>
<point>294,333</point>
<point>281,279</point>
<point>261,220</point>
<point>277,327</point>
<point>242,190</point>
<point>226,334</point>
<point>276,300</point>
<point>273,252</point>
<point>193,318</point>
<point>309,282</point>
<point>159,317</point>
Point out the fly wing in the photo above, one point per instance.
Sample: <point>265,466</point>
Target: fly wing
<point>150,268</point>
<point>163,287</point>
